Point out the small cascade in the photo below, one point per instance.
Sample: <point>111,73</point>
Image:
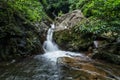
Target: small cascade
<point>49,45</point>
<point>56,64</point>
<point>96,43</point>
<point>51,49</point>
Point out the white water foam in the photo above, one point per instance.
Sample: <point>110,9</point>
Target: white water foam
<point>52,56</point>
<point>49,45</point>
<point>51,49</point>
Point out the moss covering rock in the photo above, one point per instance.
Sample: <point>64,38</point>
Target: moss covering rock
<point>19,36</point>
<point>69,40</point>
<point>109,53</point>
<point>66,35</point>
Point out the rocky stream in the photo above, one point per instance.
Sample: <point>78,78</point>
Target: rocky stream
<point>56,64</point>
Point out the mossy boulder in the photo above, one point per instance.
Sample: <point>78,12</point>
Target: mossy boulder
<point>67,37</point>
<point>69,40</point>
<point>109,53</point>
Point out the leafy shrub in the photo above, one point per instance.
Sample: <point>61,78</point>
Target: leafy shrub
<point>18,34</point>
<point>103,16</point>
<point>54,7</point>
<point>32,9</point>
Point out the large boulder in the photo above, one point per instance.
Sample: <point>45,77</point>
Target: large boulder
<point>69,20</point>
<point>80,69</point>
<point>65,35</point>
<point>68,39</point>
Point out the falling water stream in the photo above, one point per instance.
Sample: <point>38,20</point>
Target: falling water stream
<point>46,66</point>
<point>52,53</point>
<point>52,50</point>
<point>49,45</point>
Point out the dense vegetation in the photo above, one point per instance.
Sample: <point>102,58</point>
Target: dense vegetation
<point>20,24</point>
<point>103,16</point>
<point>55,8</point>
<point>101,23</point>
<point>18,33</point>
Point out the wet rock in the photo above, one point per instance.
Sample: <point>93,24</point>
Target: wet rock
<point>72,69</point>
<point>81,69</point>
<point>109,52</point>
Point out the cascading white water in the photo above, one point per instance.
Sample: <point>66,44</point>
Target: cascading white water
<point>50,57</point>
<point>52,50</point>
<point>49,45</point>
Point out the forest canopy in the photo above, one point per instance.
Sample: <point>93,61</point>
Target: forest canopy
<point>31,9</point>
<point>103,16</point>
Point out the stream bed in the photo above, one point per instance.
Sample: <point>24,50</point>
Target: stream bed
<point>40,68</point>
<point>56,64</point>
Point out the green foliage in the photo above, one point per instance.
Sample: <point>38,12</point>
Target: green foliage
<point>18,34</point>
<point>32,9</point>
<point>106,10</point>
<point>78,4</point>
<point>54,7</point>
<point>103,16</point>
<point>92,25</point>
<point>73,41</point>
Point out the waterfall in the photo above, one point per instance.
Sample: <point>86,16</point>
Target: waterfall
<point>49,45</point>
<point>96,43</point>
<point>51,49</point>
<point>54,63</point>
